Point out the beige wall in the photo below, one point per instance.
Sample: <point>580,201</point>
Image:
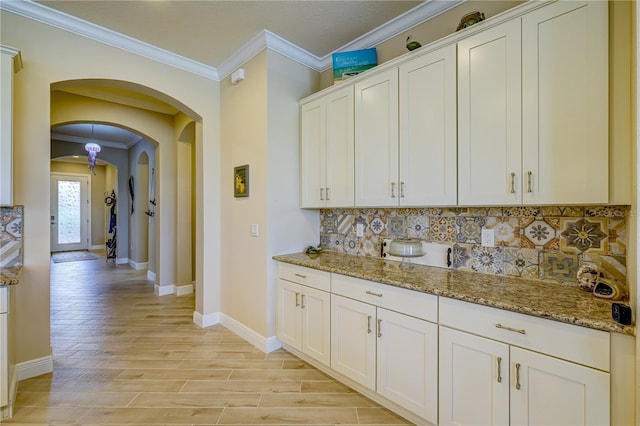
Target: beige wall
<point>98,187</point>
<point>47,63</point>
<point>260,128</point>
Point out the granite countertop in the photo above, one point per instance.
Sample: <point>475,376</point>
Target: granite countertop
<point>10,275</point>
<point>538,298</point>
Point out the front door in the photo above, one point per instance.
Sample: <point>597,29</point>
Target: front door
<point>69,212</point>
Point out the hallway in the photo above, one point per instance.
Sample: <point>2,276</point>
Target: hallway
<point>124,356</point>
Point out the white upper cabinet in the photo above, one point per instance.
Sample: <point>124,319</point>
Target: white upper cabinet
<point>327,168</point>
<point>533,109</point>
<point>10,62</point>
<point>428,132</point>
<point>376,143</point>
<point>489,117</point>
<point>565,135</point>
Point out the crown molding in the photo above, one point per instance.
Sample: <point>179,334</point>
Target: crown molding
<point>63,21</point>
<point>263,40</point>
<point>423,12</point>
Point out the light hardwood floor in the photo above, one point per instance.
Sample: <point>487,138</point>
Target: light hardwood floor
<point>125,356</point>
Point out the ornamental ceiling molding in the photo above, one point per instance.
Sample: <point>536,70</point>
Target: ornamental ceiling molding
<point>263,40</point>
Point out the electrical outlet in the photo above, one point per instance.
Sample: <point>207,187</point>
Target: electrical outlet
<point>488,238</point>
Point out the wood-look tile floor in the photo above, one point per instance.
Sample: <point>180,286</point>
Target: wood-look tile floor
<point>123,356</point>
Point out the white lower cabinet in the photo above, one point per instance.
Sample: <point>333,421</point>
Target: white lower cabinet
<point>489,382</point>
<point>388,352</point>
<point>303,318</point>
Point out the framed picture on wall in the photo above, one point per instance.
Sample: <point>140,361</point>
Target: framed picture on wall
<point>241,181</point>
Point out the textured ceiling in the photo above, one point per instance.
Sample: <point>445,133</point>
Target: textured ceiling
<point>210,31</point>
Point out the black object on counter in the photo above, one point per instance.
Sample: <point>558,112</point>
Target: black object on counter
<point>621,313</point>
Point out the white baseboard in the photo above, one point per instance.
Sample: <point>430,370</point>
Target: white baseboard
<point>33,368</point>
<point>205,321</point>
<point>164,290</point>
<point>122,260</point>
<point>151,276</point>
<point>97,247</point>
<point>265,344</point>
<point>182,290</point>
<point>138,265</point>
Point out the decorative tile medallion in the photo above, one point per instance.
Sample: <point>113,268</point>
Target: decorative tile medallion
<point>487,259</point>
<point>539,233</point>
<point>369,246</point>
<point>330,224</point>
<point>396,226</point>
<point>443,229</point>
<point>584,234</point>
<point>560,267</point>
<point>350,244</point>
<point>377,225</point>
<point>521,262</point>
<point>469,229</point>
<point>418,227</point>
<point>506,230</point>
<point>460,255</point>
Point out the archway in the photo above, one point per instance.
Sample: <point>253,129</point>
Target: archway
<point>162,124</point>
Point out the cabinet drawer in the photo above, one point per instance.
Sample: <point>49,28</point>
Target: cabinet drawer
<point>306,276</point>
<point>574,343</point>
<point>408,302</point>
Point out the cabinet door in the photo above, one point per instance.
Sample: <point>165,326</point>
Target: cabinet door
<point>288,316</point>
<point>339,190</point>
<point>376,144</point>
<point>428,129</point>
<point>474,380</point>
<point>565,103</point>
<point>312,153</point>
<point>315,306</point>
<point>407,372</point>
<point>550,391</point>
<point>353,340</point>
<point>489,117</point>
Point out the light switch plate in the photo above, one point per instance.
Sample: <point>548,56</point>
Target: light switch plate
<point>254,230</point>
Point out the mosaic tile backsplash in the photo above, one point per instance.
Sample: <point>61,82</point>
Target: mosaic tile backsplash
<point>546,243</point>
<point>11,236</point>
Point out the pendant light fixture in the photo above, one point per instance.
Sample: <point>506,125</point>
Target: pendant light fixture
<point>93,149</point>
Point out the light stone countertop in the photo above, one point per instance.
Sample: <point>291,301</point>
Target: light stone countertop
<point>10,275</point>
<point>543,299</point>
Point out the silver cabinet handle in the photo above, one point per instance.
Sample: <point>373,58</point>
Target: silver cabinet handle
<point>327,193</point>
<point>401,189</point>
<point>302,298</point>
<point>499,369</point>
<point>297,299</point>
<point>529,173</point>
<point>518,375</point>
<point>379,328</point>
<point>515,330</point>
<point>368,324</point>
<point>393,190</point>
<point>513,183</point>
<point>373,294</point>
<point>300,275</point>
<point>321,194</point>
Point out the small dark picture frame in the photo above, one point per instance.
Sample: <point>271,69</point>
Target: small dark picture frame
<point>241,181</point>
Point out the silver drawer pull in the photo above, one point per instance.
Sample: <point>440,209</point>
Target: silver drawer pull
<point>368,324</point>
<point>374,294</point>
<point>515,330</point>
<point>301,276</point>
<point>379,328</point>
<point>518,376</point>
<point>499,368</point>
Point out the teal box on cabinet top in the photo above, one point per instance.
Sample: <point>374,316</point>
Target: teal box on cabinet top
<point>348,64</point>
